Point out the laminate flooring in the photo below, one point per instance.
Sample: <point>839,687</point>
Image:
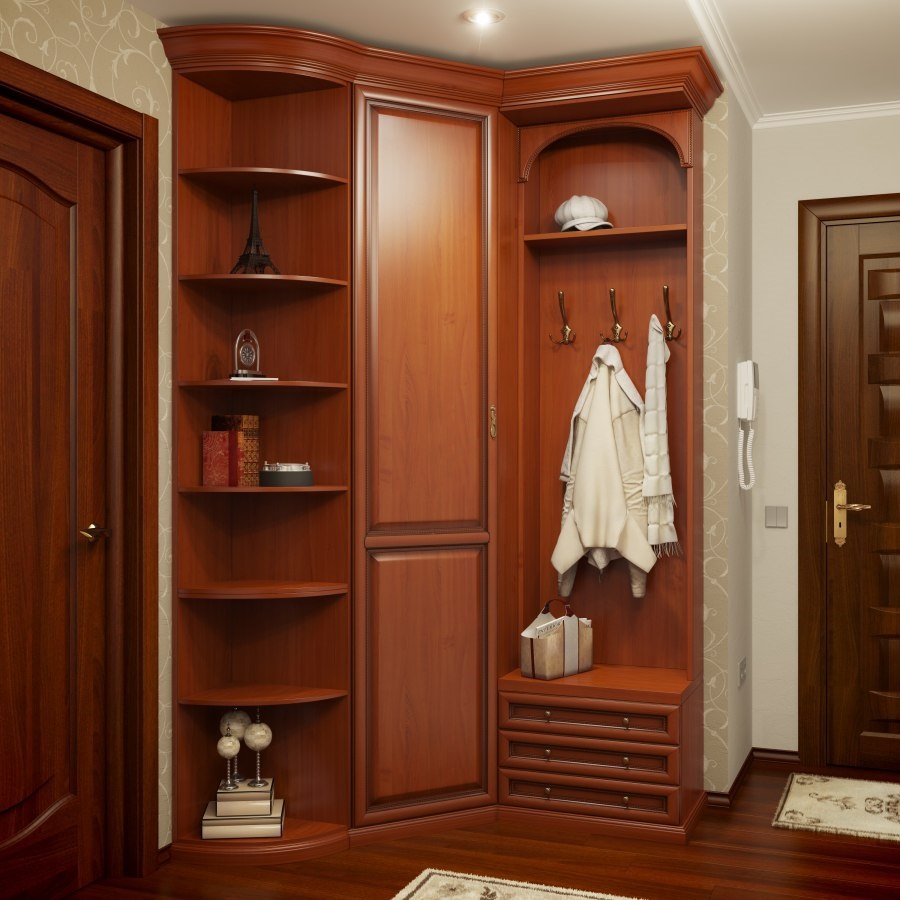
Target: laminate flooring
<point>734,853</point>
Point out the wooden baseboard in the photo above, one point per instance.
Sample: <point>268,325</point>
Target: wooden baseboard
<point>368,834</point>
<point>724,800</point>
<point>786,757</point>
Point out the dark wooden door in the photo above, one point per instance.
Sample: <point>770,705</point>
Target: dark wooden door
<point>862,300</point>
<point>53,470</point>
<point>849,638</point>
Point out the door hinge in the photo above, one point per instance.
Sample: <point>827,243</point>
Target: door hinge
<point>493,422</point>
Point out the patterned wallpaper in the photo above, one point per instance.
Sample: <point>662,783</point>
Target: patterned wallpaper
<point>716,452</point>
<point>110,47</point>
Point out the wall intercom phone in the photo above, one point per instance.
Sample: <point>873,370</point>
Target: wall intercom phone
<point>747,398</point>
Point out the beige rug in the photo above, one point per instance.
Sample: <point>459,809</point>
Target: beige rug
<point>841,806</point>
<point>436,884</point>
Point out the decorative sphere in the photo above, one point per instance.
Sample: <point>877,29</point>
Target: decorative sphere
<point>258,736</point>
<point>228,746</point>
<point>237,720</point>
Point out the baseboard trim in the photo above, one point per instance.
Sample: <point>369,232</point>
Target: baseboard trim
<point>723,800</point>
<point>787,757</point>
<point>368,834</point>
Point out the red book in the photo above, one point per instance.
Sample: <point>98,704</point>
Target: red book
<point>215,458</point>
<point>243,448</point>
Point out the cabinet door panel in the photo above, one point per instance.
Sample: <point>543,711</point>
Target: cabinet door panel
<point>426,679</point>
<point>423,603</point>
<point>426,320</point>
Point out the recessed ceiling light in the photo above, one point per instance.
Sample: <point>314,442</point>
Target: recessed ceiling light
<point>483,16</point>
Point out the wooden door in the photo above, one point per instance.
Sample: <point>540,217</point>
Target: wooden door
<point>860,596</point>
<point>424,697</point>
<point>78,619</point>
<point>53,478</point>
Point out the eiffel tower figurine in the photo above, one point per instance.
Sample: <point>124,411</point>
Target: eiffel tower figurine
<point>254,260</point>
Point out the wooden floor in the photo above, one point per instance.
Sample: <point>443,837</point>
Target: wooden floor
<point>734,853</point>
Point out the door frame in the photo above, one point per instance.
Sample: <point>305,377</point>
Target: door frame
<point>815,217</point>
<point>130,142</point>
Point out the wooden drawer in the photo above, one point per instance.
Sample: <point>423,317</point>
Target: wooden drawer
<point>652,763</point>
<point>610,719</point>
<point>622,800</point>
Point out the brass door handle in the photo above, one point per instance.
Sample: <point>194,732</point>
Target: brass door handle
<point>841,508</point>
<point>92,532</point>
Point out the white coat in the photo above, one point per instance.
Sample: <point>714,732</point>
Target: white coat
<point>604,516</point>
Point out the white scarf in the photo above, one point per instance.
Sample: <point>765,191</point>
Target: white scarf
<point>657,489</point>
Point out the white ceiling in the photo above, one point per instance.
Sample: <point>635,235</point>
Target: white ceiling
<point>784,60</point>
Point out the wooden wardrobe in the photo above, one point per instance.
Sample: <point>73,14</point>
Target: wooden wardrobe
<point>372,618</point>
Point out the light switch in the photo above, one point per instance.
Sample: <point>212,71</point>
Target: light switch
<point>776,517</point>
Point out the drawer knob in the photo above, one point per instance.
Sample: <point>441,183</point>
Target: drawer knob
<point>625,761</point>
<point>547,792</point>
<point>625,721</point>
<point>547,753</point>
<point>547,714</point>
<point>625,802</point>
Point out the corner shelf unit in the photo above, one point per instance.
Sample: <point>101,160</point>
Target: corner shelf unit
<point>262,607</point>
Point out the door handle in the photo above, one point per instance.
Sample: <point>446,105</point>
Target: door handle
<point>841,508</point>
<point>92,532</point>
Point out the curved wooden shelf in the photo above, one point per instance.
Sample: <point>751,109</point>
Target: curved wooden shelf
<point>261,695</point>
<point>241,178</point>
<point>581,240</point>
<point>311,489</point>
<point>246,384</point>
<point>302,839</point>
<point>261,282</point>
<point>262,590</point>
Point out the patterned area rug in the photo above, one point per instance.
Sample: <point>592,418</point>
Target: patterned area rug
<point>841,806</point>
<point>436,884</point>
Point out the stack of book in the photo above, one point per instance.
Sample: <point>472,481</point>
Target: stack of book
<point>246,812</point>
<point>231,452</point>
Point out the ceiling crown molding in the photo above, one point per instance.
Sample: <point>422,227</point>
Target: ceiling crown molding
<point>725,56</point>
<point>829,114</point>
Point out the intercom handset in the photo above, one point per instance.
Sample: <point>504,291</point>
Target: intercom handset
<point>747,399</point>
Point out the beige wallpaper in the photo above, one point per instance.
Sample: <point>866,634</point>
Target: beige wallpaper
<point>716,453</point>
<point>110,47</point>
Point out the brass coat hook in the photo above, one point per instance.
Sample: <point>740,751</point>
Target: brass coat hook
<point>671,334</point>
<point>617,334</point>
<point>568,336</point>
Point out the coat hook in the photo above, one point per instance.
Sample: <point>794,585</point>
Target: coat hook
<point>617,334</point>
<point>670,325</point>
<point>568,336</point>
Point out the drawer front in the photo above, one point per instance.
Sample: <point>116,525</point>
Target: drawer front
<point>610,719</point>
<point>621,800</point>
<point>652,763</point>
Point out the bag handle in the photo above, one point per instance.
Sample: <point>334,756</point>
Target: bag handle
<point>568,606</point>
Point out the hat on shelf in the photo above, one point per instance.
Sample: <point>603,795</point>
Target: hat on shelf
<point>582,213</point>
